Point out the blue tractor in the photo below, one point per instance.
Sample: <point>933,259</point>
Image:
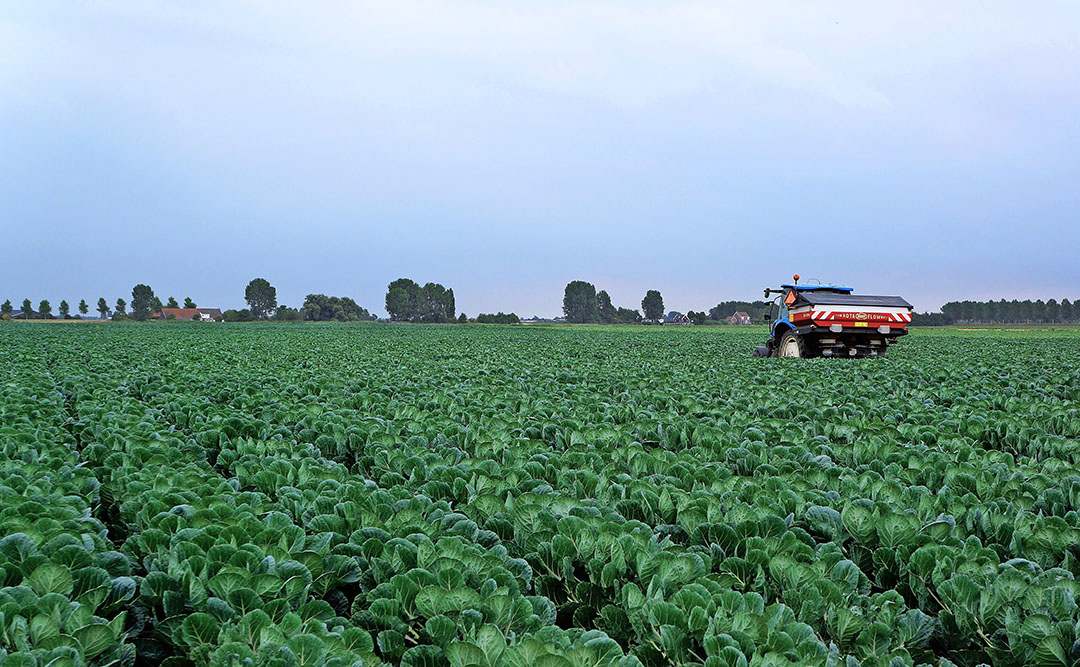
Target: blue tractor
<point>832,321</point>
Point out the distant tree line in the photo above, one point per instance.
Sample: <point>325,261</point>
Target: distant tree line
<point>497,318</point>
<point>322,308</point>
<point>407,301</point>
<point>260,295</point>
<point>1002,311</point>
<point>143,305</point>
<point>582,304</point>
<point>720,313</point>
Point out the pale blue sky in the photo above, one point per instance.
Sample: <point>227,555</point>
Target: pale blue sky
<point>703,149</point>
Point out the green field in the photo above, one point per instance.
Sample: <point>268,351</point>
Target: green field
<point>339,495</point>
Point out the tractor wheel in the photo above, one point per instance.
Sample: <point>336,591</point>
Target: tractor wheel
<point>792,345</point>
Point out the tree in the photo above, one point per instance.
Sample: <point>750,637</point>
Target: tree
<point>605,311</point>
<point>627,315</point>
<point>27,309</point>
<point>45,309</point>
<point>579,302</point>
<point>653,305</point>
<point>402,300</point>
<point>406,301</point>
<point>1067,309</point>
<point>65,309</point>
<point>261,298</point>
<point>103,307</point>
<point>285,314</point>
<point>121,307</point>
<point>449,305</point>
<point>462,319</point>
<point>6,309</point>
<point>172,303</point>
<point>498,318</point>
<point>156,306</point>
<point>188,303</point>
<point>142,301</point>
<point>434,306</point>
<point>84,308</point>
<point>1053,311</point>
<point>232,315</point>
<point>397,303</point>
<point>322,308</point>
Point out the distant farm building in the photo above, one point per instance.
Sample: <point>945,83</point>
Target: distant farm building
<point>675,317</point>
<point>190,314</point>
<point>739,317</point>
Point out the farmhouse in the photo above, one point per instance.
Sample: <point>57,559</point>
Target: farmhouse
<point>739,317</point>
<point>190,314</point>
<point>675,317</point>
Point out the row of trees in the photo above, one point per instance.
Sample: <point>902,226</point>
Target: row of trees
<point>582,304</point>
<point>407,301</point>
<point>497,318</point>
<point>1003,311</point>
<point>260,295</point>
<point>138,295</point>
<point>322,308</point>
<point>261,298</point>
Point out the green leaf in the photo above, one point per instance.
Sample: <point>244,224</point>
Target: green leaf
<point>1050,653</point>
<point>225,583</point>
<point>858,520</point>
<point>43,627</point>
<point>665,613</point>
<point>50,578</point>
<point>309,649</point>
<point>358,640</point>
<point>914,628</point>
<point>95,638</point>
<point>424,656</point>
<point>441,629</point>
<point>391,644</point>
<point>895,530</point>
<point>464,654</point>
<point>527,653</point>
<point>843,625</point>
<point>492,642</point>
<point>200,628</point>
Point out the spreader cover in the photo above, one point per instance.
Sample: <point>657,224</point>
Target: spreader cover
<point>818,298</point>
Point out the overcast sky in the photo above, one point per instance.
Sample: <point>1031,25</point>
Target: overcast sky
<point>708,150</point>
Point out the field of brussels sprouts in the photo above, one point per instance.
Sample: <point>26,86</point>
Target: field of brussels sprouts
<point>342,495</point>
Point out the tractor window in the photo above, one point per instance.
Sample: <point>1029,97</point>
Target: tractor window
<point>784,308</point>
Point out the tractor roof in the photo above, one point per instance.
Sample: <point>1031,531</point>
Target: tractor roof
<point>818,288</point>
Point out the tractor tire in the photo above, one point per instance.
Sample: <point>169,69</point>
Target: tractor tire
<point>792,345</point>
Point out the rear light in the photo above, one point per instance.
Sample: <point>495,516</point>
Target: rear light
<point>884,328</point>
<point>836,328</point>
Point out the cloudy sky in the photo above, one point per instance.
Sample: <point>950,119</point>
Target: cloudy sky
<point>505,148</point>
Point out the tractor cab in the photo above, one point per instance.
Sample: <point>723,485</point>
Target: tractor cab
<point>779,313</point>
